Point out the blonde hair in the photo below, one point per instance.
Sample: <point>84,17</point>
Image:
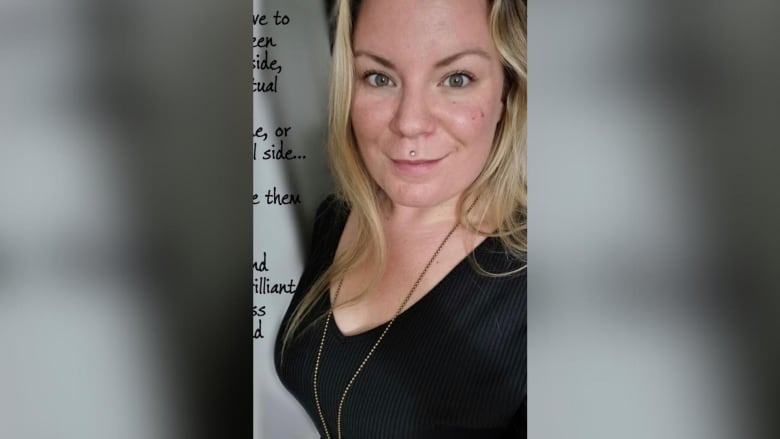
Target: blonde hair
<point>501,187</point>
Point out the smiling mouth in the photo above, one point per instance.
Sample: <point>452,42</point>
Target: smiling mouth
<point>415,167</point>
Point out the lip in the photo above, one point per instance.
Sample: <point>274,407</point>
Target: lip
<point>415,168</point>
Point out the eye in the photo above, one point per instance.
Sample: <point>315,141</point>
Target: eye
<point>457,80</point>
<point>376,79</point>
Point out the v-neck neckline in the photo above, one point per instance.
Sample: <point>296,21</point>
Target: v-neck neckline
<point>433,292</point>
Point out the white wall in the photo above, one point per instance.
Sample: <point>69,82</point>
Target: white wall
<point>301,103</point>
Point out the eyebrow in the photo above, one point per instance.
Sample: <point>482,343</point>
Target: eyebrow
<point>376,58</point>
<point>452,58</point>
<point>444,62</point>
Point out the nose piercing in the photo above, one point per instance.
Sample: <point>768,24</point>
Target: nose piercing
<point>412,153</point>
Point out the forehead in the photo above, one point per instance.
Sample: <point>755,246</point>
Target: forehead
<point>421,28</point>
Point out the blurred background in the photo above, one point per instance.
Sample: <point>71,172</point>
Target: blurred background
<point>653,305</point>
<point>283,233</point>
<point>126,223</point>
<point>125,219</point>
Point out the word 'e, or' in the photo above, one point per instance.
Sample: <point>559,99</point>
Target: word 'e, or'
<point>279,132</point>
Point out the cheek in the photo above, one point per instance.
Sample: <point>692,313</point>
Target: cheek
<point>367,125</point>
<point>474,124</point>
<point>368,118</point>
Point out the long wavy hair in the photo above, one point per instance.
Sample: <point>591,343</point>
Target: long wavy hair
<point>501,187</point>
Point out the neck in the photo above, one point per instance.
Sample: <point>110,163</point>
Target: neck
<point>420,218</point>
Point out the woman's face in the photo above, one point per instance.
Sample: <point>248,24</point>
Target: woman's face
<point>429,80</point>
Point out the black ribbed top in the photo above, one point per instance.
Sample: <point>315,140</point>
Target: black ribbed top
<point>453,365</point>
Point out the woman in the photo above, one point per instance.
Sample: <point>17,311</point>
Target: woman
<point>409,320</point>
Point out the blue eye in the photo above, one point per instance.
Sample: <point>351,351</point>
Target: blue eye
<point>457,80</point>
<point>375,79</point>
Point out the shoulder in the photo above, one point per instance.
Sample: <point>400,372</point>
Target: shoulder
<point>493,259</point>
<point>329,223</point>
<point>331,212</point>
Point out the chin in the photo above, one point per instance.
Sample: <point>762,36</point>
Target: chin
<point>419,197</point>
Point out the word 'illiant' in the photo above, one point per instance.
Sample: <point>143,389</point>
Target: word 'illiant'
<point>263,285</point>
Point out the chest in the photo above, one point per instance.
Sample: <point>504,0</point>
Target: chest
<point>453,364</point>
<point>366,298</point>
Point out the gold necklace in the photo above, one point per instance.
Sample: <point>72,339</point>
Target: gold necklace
<point>373,348</point>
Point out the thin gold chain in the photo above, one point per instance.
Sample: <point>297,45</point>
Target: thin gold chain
<point>373,348</point>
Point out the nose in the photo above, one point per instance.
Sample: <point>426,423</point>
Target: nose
<point>413,116</point>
